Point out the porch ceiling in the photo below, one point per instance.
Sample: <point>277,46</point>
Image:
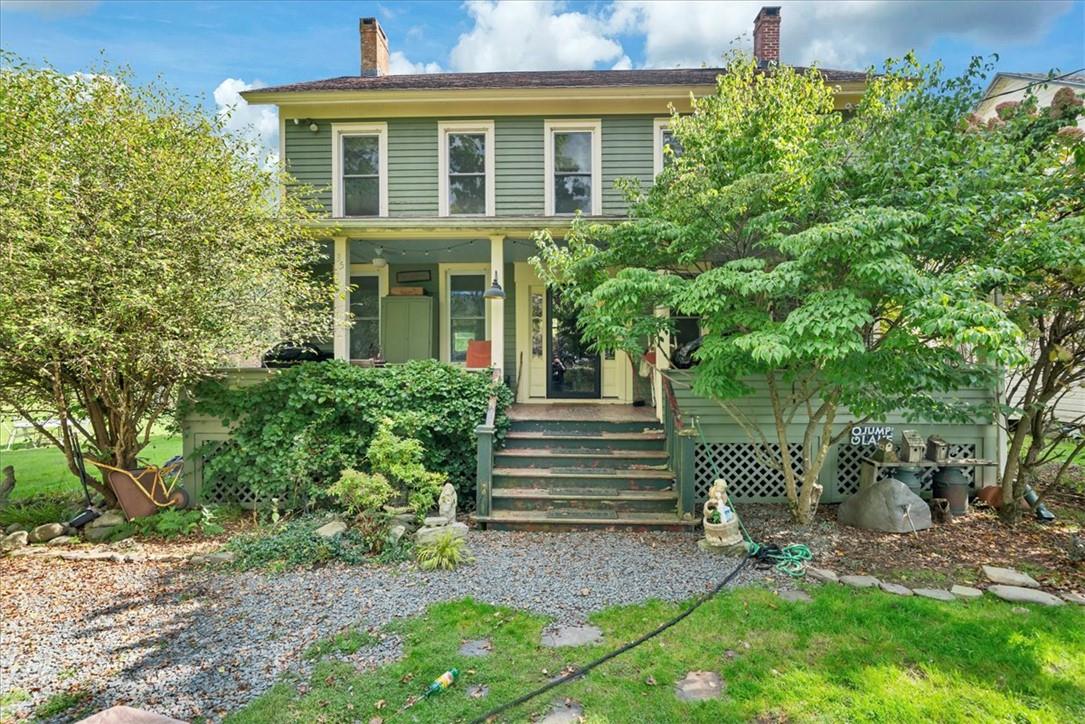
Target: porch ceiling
<point>433,251</point>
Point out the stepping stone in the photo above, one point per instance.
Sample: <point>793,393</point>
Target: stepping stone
<point>966,591</point>
<point>859,581</point>
<point>478,691</point>
<point>795,596</point>
<point>823,575</point>
<point>128,715</point>
<point>936,593</point>
<point>1018,594</point>
<point>477,647</point>
<point>1009,577</point>
<point>699,686</point>
<point>896,589</point>
<point>571,636</point>
<point>564,712</point>
<point>1074,598</point>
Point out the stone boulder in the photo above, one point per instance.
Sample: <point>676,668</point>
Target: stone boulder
<point>108,519</point>
<point>46,532</point>
<point>1009,577</point>
<point>888,506</point>
<point>14,528</point>
<point>332,529</point>
<point>11,541</point>
<point>431,533</point>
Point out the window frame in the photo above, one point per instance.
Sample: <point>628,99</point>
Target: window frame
<point>342,130</point>
<point>444,129</point>
<point>381,274</point>
<point>659,127</point>
<point>447,271</point>
<point>578,125</point>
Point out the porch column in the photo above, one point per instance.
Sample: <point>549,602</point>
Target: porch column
<point>497,306</point>
<point>341,275</point>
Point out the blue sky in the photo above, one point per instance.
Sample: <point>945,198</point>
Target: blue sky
<point>212,50</point>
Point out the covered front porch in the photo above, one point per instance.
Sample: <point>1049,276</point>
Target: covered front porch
<point>418,293</point>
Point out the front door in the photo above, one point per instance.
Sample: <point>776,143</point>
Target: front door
<point>574,370</point>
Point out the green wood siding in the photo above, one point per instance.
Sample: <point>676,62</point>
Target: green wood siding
<point>627,153</point>
<point>309,158</point>
<point>412,167</point>
<point>518,150</point>
<point>519,164</point>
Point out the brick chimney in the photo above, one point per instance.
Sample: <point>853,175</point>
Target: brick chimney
<point>766,36</point>
<point>374,47</point>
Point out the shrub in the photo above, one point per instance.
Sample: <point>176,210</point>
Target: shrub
<point>294,544</point>
<point>359,493</point>
<point>171,523</point>
<point>36,510</point>
<point>297,431</point>
<point>446,551</point>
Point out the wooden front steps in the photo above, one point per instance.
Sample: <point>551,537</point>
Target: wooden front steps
<point>589,466</point>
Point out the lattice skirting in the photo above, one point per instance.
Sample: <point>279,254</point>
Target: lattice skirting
<point>749,480</point>
<point>220,491</point>
<point>849,459</point>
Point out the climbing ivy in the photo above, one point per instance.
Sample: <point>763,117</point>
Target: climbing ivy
<point>293,434</point>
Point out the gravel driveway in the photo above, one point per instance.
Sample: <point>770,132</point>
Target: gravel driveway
<point>186,641</point>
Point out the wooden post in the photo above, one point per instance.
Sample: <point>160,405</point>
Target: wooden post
<point>497,306</point>
<point>484,482</point>
<point>685,471</point>
<point>341,272</point>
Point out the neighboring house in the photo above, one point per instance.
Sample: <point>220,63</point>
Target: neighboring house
<point>1006,87</point>
<point>440,182</point>
<point>1013,87</point>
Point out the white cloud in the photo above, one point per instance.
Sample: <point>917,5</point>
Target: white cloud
<point>400,64</point>
<point>532,36</point>
<point>624,63</point>
<point>257,123</point>
<point>832,34</point>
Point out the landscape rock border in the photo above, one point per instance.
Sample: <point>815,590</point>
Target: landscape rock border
<point>1014,594</point>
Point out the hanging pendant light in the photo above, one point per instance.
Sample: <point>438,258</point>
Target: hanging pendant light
<point>495,291</point>
<point>378,258</point>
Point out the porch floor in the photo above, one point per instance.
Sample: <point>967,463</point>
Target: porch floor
<point>597,412</point>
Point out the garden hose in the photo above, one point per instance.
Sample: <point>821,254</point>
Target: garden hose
<point>790,560</point>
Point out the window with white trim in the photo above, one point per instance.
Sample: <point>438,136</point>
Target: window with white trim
<point>466,168</point>
<point>573,167</point>
<point>665,138</point>
<point>466,312</point>
<point>360,170</point>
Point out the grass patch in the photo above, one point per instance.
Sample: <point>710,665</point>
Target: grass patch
<point>66,702</point>
<point>10,698</point>
<point>345,642</point>
<point>44,470</point>
<point>848,656</point>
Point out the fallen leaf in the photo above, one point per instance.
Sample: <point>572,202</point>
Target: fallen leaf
<point>380,704</point>
<point>650,680</point>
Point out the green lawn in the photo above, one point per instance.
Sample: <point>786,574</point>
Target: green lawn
<point>44,470</point>
<point>848,656</point>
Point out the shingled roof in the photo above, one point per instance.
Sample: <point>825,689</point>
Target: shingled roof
<point>532,79</point>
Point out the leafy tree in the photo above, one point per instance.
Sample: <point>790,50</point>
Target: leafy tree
<point>820,255</point>
<point>143,247</point>
<point>1041,247</point>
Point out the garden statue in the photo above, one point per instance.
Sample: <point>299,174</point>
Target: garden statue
<point>446,504</point>
<point>721,526</point>
<point>444,522</point>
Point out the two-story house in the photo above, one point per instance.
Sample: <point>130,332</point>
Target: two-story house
<point>437,183</point>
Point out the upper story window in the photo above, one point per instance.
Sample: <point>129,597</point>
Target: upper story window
<point>573,167</point>
<point>466,168</point>
<point>360,169</point>
<point>664,138</point>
